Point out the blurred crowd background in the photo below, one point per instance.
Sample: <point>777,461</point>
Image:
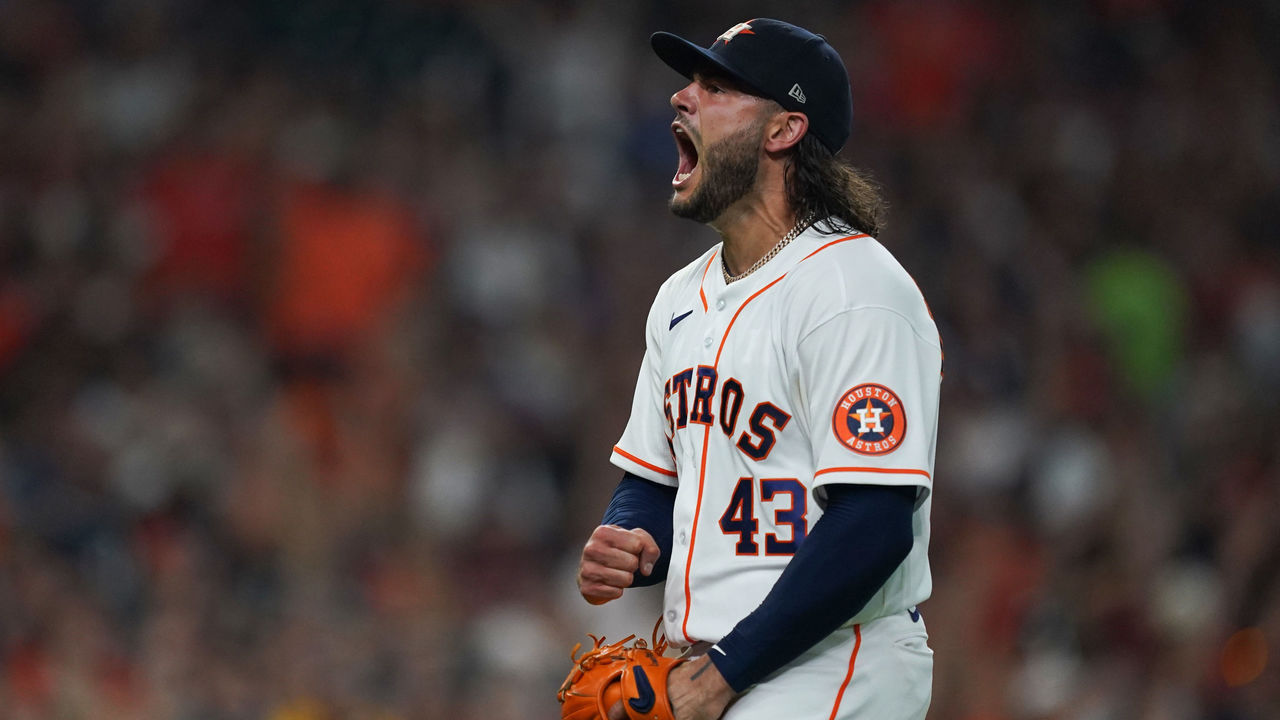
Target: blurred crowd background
<point>318,320</point>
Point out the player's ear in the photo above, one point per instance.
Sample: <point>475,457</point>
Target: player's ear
<point>785,130</point>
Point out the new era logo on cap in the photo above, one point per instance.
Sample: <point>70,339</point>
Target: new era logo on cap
<point>779,61</point>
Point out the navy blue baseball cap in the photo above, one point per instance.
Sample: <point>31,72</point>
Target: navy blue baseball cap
<point>777,60</point>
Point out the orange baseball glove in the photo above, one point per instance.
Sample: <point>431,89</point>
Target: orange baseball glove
<point>636,674</point>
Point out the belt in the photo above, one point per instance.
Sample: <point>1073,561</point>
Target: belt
<point>702,647</point>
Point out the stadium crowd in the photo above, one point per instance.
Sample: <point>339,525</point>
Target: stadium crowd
<point>318,321</point>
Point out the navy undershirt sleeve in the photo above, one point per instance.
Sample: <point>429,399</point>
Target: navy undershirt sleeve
<point>639,503</point>
<point>862,537</point>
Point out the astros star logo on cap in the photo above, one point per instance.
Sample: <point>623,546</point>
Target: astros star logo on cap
<point>733,32</point>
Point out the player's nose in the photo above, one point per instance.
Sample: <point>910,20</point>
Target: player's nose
<point>682,101</point>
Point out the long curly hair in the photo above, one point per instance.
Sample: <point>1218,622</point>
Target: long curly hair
<point>821,186</point>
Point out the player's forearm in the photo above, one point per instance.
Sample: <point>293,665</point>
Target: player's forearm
<point>639,503</point>
<point>850,553</point>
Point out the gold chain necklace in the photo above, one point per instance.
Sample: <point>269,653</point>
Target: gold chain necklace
<point>792,234</point>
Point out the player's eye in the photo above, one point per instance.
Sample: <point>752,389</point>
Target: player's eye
<point>712,85</point>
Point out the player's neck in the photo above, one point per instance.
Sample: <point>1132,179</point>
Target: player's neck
<point>751,229</point>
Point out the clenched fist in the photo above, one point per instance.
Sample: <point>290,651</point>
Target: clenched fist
<point>610,560</point>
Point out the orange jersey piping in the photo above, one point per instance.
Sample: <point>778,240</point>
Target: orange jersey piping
<point>887,471</point>
<point>642,463</point>
<point>702,295</point>
<point>853,659</point>
<point>833,242</point>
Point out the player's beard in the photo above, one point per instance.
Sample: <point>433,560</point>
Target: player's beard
<point>729,169</point>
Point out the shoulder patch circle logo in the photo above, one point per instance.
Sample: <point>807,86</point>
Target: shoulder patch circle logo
<point>870,420</point>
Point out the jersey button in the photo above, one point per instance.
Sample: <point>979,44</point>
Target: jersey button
<point>720,304</point>
<point>671,615</point>
<point>707,342</point>
<point>684,537</point>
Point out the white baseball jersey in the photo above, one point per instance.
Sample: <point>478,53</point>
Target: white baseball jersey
<point>821,367</point>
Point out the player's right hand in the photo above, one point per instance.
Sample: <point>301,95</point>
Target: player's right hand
<point>610,560</point>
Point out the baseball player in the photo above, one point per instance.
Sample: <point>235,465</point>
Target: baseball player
<point>778,462</point>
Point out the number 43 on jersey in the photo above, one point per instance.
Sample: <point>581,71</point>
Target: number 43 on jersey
<point>786,498</point>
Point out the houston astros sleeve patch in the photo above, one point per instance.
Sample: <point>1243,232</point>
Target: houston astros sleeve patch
<point>870,420</point>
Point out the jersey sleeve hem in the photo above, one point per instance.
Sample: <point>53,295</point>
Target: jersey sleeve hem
<point>876,476</point>
<point>643,468</point>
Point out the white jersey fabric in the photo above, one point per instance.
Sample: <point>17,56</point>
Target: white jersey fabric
<point>821,367</point>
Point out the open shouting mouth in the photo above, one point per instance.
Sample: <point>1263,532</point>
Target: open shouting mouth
<point>688,156</point>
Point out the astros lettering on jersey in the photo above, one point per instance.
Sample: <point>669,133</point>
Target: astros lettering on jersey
<point>822,367</point>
